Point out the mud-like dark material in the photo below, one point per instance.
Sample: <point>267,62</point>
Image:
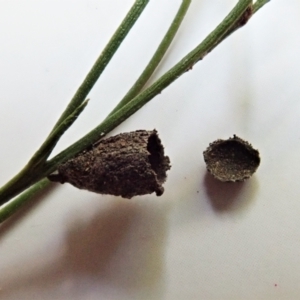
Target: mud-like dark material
<point>246,16</point>
<point>231,160</point>
<point>127,165</point>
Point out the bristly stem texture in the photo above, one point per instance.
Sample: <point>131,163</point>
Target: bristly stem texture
<point>31,172</point>
<point>259,4</point>
<point>10,208</point>
<point>184,65</point>
<point>104,58</point>
<point>236,18</point>
<point>20,182</point>
<point>157,57</point>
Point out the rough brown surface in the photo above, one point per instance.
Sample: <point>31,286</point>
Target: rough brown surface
<point>246,16</point>
<point>127,165</point>
<point>231,160</point>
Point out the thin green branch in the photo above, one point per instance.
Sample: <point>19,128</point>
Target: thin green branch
<point>252,9</point>
<point>36,164</point>
<point>40,157</point>
<point>114,120</point>
<point>135,104</point>
<point>157,57</point>
<point>10,208</point>
<point>259,4</point>
<point>29,174</point>
<point>104,58</point>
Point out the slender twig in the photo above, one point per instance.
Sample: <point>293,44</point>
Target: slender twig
<point>259,4</point>
<point>113,121</point>
<point>157,57</point>
<point>139,84</point>
<point>184,65</point>
<point>10,208</point>
<point>33,171</point>
<point>136,103</point>
<point>44,151</point>
<point>252,9</point>
<point>37,162</point>
<point>104,58</point>
<point>30,173</point>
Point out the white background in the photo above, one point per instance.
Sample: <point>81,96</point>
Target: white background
<point>202,239</point>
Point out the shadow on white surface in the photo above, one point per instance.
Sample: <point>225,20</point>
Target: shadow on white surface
<point>23,212</point>
<point>120,249</point>
<point>227,197</point>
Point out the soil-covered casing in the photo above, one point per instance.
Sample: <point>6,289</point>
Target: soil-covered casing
<point>231,160</point>
<point>127,165</point>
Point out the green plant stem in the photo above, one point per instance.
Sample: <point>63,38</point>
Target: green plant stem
<point>30,173</point>
<point>114,120</point>
<point>10,208</point>
<point>211,41</point>
<point>157,57</point>
<point>40,157</point>
<point>140,100</point>
<point>259,4</point>
<point>126,111</point>
<point>104,58</point>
